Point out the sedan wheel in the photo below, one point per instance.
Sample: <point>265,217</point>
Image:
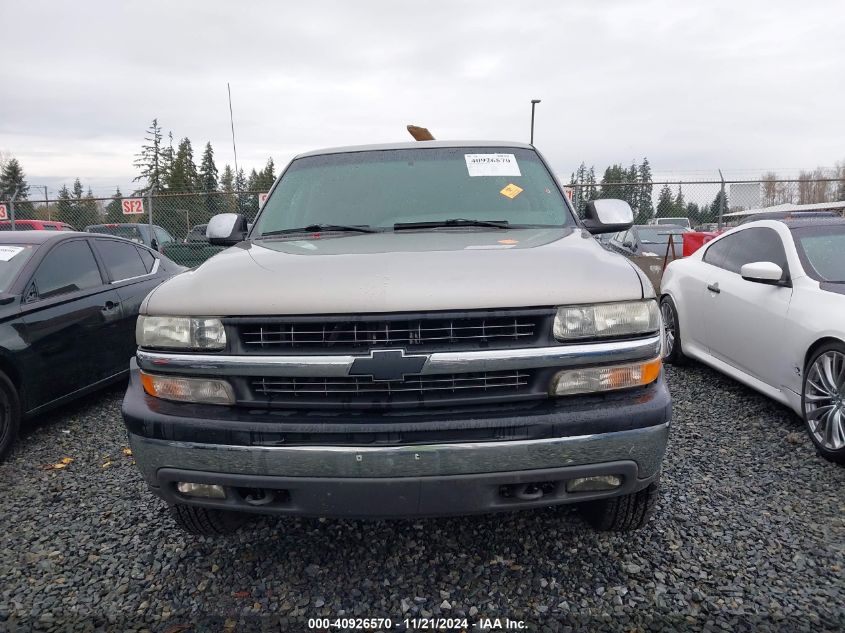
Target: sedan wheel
<point>824,402</point>
<point>672,348</point>
<point>668,315</point>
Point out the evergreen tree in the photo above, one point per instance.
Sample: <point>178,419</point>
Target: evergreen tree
<point>150,161</point>
<point>227,185</point>
<point>114,210</point>
<point>591,192</point>
<point>630,177</point>
<point>12,178</point>
<point>77,191</point>
<point>240,186</point>
<point>167,158</point>
<point>89,213</point>
<point>716,205</point>
<point>268,175</point>
<point>208,182</point>
<point>184,176</point>
<point>64,211</point>
<point>680,205</point>
<point>645,207</point>
<point>253,183</point>
<point>612,183</point>
<point>665,203</point>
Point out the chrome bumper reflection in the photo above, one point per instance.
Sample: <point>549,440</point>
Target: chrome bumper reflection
<point>644,446</point>
<point>575,355</point>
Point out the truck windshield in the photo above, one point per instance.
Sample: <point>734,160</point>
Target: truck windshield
<point>382,188</point>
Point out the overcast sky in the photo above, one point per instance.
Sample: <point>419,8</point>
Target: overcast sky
<point>740,85</point>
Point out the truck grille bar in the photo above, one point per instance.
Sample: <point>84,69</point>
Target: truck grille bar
<point>466,332</point>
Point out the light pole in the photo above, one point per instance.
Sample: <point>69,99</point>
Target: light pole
<point>534,102</point>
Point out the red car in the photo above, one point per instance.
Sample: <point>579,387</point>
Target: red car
<point>35,225</point>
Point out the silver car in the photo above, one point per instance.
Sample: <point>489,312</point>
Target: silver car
<point>406,329</point>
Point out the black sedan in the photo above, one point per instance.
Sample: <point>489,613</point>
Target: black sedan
<point>68,306</point>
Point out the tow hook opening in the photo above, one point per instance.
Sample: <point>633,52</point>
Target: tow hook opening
<point>530,491</point>
<point>262,496</point>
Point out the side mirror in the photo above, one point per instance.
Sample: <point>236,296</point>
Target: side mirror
<point>608,216</point>
<point>226,229</point>
<point>762,273</point>
<point>154,244</point>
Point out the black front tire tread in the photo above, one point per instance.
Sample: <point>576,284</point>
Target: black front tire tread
<point>622,514</point>
<point>677,356</point>
<point>10,423</point>
<point>205,521</point>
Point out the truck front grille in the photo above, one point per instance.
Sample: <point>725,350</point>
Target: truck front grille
<point>367,392</point>
<point>423,332</point>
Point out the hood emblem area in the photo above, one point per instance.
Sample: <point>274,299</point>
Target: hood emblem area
<point>388,364</point>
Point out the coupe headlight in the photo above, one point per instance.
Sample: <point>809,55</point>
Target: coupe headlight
<point>180,333</point>
<point>606,320</point>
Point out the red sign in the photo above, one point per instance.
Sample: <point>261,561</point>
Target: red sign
<point>132,206</point>
<point>262,198</point>
<point>570,192</point>
<point>4,213</point>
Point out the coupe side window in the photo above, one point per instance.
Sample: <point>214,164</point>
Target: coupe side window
<point>67,268</point>
<point>122,259</point>
<point>756,245</point>
<point>718,251</point>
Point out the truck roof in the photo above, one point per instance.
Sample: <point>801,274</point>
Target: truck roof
<point>413,145</point>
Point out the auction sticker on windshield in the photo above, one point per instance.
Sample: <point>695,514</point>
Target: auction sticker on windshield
<point>8,252</point>
<point>492,165</point>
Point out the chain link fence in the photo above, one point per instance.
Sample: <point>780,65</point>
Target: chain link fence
<point>707,204</point>
<point>178,219</point>
<point>173,223</point>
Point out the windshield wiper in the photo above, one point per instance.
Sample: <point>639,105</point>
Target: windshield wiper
<point>496,224</point>
<point>315,228</point>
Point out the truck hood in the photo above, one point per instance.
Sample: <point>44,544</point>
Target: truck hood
<point>401,272</point>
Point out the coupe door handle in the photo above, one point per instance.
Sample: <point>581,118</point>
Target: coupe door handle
<point>714,288</point>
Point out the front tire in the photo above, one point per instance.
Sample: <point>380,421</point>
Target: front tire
<point>823,401</point>
<point>622,514</point>
<point>672,352</point>
<point>205,521</point>
<point>10,415</point>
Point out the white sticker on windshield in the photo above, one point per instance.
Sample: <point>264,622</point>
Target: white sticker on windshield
<point>8,252</point>
<point>492,165</point>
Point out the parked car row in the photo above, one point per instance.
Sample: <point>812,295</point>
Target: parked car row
<point>35,225</point>
<point>68,306</point>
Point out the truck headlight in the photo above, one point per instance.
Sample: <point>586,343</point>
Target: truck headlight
<point>181,389</point>
<point>595,379</point>
<point>180,332</point>
<point>606,320</point>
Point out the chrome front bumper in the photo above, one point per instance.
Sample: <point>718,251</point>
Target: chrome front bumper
<point>563,356</point>
<point>644,446</point>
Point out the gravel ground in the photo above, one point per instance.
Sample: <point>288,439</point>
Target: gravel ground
<point>749,536</point>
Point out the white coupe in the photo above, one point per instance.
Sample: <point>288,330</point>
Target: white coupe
<point>765,304</point>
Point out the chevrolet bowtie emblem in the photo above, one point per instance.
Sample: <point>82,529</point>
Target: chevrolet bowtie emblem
<point>389,364</point>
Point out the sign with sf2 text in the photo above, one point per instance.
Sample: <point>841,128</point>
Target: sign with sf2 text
<point>4,212</point>
<point>132,206</point>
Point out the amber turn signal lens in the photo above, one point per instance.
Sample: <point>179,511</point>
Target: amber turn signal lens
<point>595,379</point>
<point>181,389</point>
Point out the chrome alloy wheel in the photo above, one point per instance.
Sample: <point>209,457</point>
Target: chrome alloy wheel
<point>668,327</point>
<point>824,400</point>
